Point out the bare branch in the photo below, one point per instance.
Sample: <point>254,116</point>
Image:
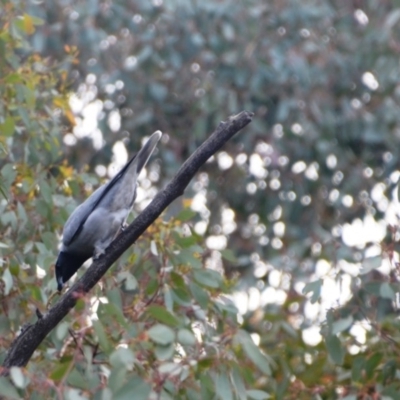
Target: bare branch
<point>26,343</point>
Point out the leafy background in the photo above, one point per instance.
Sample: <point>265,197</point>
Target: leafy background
<point>295,221</point>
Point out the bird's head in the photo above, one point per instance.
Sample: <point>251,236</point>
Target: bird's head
<point>66,265</point>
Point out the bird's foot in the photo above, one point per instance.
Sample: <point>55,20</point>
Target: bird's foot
<point>121,229</point>
<point>51,298</point>
<point>98,251</point>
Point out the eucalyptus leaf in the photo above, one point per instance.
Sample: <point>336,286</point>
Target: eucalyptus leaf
<point>161,334</point>
<point>335,349</point>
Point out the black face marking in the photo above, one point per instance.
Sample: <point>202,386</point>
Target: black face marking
<point>66,266</point>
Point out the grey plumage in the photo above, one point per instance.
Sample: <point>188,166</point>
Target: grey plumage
<point>94,224</point>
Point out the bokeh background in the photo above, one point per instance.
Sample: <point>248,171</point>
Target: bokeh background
<point>299,211</point>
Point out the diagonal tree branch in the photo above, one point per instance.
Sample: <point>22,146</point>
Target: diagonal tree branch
<point>26,343</point>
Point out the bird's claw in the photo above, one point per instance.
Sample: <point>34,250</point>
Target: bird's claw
<point>98,252</point>
<point>50,299</point>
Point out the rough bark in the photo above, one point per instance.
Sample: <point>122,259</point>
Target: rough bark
<point>26,343</point>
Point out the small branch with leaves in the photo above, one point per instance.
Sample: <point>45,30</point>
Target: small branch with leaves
<point>26,343</point>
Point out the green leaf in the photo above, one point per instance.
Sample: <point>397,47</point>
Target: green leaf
<point>387,292</point>
<point>46,191</point>
<point>184,241</point>
<point>114,297</point>
<point>164,353</point>
<point>257,395</point>
<point>23,113</point>
<point>111,309</point>
<point>229,255</point>
<point>238,383</point>
<point>187,257</point>
<point>341,325</point>
<point>335,349</point>
<point>22,213</point>
<point>7,389</point>
<point>168,299</point>
<point>289,329</point>
<point>357,369</point>
<point>152,287</point>
<point>61,369</point>
<point>3,191</point>
<point>205,363</point>
<point>77,379</point>
<point>42,248</point>
<point>373,288</point>
<point>389,371</point>
<point>29,97</point>
<point>186,337</point>
<point>181,297</point>
<point>28,247</point>
<point>315,288</point>
<point>223,387</point>
<point>8,281</point>
<point>130,282</point>
<point>9,173</point>
<point>171,369</point>
<point>208,277</point>
<point>370,264</point>
<point>122,357</point>
<point>372,364</point>
<point>200,295</point>
<point>9,218</point>
<point>135,388</point>
<point>117,378</point>
<point>178,280</point>
<point>207,386</point>
<point>161,334</point>
<point>62,330</point>
<point>185,215</point>
<point>226,304</point>
<point>253,352</point>
<point>101,335</point>
<point>161,314</point>
<point>12,78</point>
<point>7,127</point>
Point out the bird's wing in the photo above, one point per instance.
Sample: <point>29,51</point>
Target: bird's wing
<point>77,219</point>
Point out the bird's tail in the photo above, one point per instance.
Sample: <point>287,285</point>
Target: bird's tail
<point>145,152</point>
<point>132,168</point>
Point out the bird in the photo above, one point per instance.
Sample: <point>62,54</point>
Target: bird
<point>95,223</point>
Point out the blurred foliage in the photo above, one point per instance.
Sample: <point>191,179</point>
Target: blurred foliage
<point>295,210</point>
<point>30,138</point>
